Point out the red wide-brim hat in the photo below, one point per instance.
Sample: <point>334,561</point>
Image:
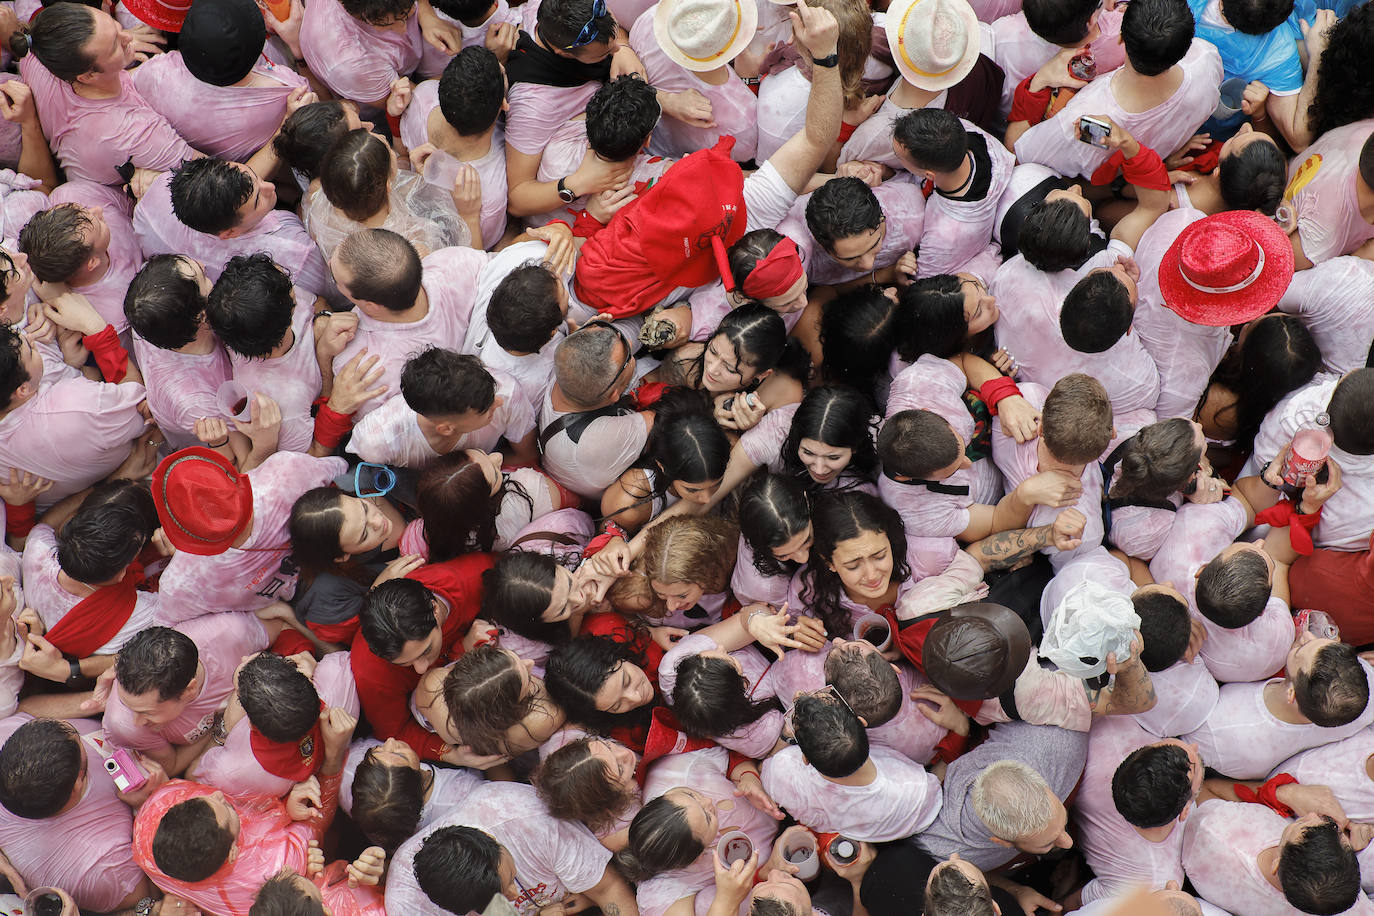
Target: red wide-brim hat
<point>1226,269</point>
<point>164,15</point>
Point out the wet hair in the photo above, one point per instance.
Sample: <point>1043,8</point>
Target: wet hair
<point>1334,691</point>
<point>472,89</point>
<point>934,139</point>
<point>1233,592</point>
<point>439,383</point>
<point>752,247</point>
<point>12,372</point>
<point>316,526</point>
<point>1165,628</point>
<point>1056,235</point>
<point>1319,872</point>
<point>916,444</point>
<point>354,174</point>
<point>190,844</point>
<point>686,444</point>
<point>378,12</point>
<point>561,21</point>
<point>458,508</point>
<point>840,209</point>
<point>1156,33</point>
<point>104,537</point>
<point>40,764</point>
<point>584,362</point>
<point>577,670</point>
<point>308,133</point>
<point>1253,178</point>
<point>1097,312</point>
<point>1076,421</point>
<point>839,417</point>
<point>523,313</point>
<point>771,906</point>
<point>459,868</point>
<point>394,613</point>
<point>951,893</point>
<point>1277,357</point>
<point>661,840</point>
<point>1344,94</point>
<point>1257,17</point>
<point>279,699</point>
<point>932,315</point>
<point>281,896</point>
<point>758,336</point>
<point>773,510</point>
<point>162,304</point>
<point>387,801</point>
<point>1158,460</point>
<point>483,692</point>
<point>55,241</point>
<point>832,738</point>
<point>58,36</point>
<point>1153,785</point>
<point>854,45</point>
<point>840,517</point>
<point>859,330</point>
<point>517,590</point>
<point>868,683</point>
<point>620,117</point>
<point>158,658</point>
<point>385,266</point>
<point>207,194</point>
<point>1352,420</point>
<point>251,306</point>
<point>711,699</point>
<point>1058,22</point>
<point>576,786</point>
<point>687,548</point>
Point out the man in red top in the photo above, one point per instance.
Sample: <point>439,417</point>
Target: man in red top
<point>408,626</point>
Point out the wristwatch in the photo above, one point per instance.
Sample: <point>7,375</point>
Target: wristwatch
<point>565,193</point>
<point>831,60</point>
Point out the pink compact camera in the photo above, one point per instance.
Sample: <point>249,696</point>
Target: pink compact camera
<point>127,775</point>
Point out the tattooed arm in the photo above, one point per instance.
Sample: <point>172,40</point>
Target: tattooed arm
<point>1130,690</point>
<point>612,893</point>
<point>1005,549</point>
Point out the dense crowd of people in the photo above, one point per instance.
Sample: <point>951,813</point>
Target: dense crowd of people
<point>708,457</point>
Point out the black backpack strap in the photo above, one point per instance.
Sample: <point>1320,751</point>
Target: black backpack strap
<point>575,424</point>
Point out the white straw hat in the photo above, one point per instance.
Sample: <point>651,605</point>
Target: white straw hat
<point>935,43</point>
<point>703,35</point>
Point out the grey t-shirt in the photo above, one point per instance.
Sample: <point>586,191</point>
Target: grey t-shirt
<point>1057,754</point>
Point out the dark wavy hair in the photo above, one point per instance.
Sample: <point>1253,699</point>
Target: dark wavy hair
<point>772,511</point>
<point>577,670</point>
<point>711,699</point>
<point>517,591</point>
<point>458,507</point>
<point>1277,357</point>
<point>839,517</point>
<point>841,417</point>
<point>1345,92</point>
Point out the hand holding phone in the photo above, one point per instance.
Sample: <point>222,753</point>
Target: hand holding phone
<point>1094,131</point>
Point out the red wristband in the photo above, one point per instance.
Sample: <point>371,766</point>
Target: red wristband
<point>1268,794</point>
<point>1027,105</point>
<point>994,391</point>
<point>19,520</point>
<point>598,543</point>
<point>394,122</point>
<point>109,353</point>
<point>331,426</point>
<point>586,225</point>
<point>1146,170</point>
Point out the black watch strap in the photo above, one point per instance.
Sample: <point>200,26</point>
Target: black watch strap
<point>832,60</point>
<point>565,193</point>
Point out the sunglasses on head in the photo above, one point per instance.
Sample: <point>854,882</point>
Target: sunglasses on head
<point>589,31</point>
<point>629,351</point>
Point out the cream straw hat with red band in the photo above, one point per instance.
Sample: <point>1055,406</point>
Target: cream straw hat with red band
<point>935,43</point>
<point>704,35</point>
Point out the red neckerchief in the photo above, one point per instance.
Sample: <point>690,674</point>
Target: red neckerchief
<point>96,619</point>
<point>293,760</point>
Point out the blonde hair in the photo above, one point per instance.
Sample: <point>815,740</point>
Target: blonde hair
<point>699,550</point>
<point>855,44</point>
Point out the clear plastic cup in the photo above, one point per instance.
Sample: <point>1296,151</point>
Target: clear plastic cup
<point>802,851</point>
<point>1232,93</point>
<point>875,629</point>
<point>441,170</point>
<point>233,401</point>
<point>734,847</point>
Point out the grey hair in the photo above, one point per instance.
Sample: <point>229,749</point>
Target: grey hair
<point>583,365</point>
<point>1012,800</point>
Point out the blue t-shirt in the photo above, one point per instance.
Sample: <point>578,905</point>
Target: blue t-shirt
<point>1271,58</point>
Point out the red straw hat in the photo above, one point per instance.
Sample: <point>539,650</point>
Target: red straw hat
<point>1226,269</point>
<point>165,15</point>
<point>203,502</point>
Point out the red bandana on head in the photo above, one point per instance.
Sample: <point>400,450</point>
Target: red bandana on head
<point>775,272</point>
<point>293,760</point>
